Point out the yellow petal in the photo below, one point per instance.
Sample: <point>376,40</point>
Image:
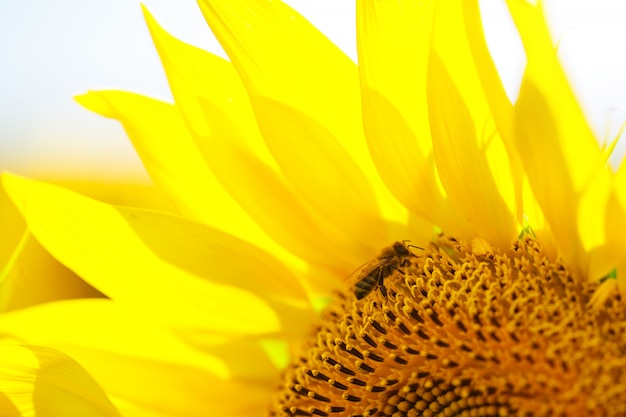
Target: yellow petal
<point>576,212</point>
<point>41,382</point>
<point>33,277</point>
<point>264,41</point>
<point>556,143</point>
<point>135,358</point>
<point>612,254</point>
<point>104,327</point>
<point>463,163</point>
<point>195,75</point>
<point>393,43</point>
<point>450,42</point>
<point>492,89</point>
<point>536,222</point>
<point>121,193</point>
<point>184,272</point>
<point>175,165</point>
<point>458,40</point>
<point>322,172</point>
<point>220,118</point>
<point>544,77</point>
<point>12,226</point>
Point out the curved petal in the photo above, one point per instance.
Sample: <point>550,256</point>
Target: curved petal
<point>33,277</point>
<point>612,255</point>
<point>126,193</point>
<point>322,172</point>
<point>393,45</point>
<point>264,41</point>
<point>138,360</point>
<point>166,148</point>
<point>185,273</point>
<point>554,141</point>
<point>195,74</point>
<point>463,164</point>
<point>259,37</point>
<point>544,77</point>
<point>575,212</point>
<point>12,226</point>
<point>499,105</point>
<point>218,113</point>
<point>36,381</point>
<point>393,42</point>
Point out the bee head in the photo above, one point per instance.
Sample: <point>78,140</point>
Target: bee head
<point>401,249</point>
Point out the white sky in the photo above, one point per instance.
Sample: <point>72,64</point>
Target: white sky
<point>53,50</point>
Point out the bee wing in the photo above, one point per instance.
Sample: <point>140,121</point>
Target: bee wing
<point>365,269</point>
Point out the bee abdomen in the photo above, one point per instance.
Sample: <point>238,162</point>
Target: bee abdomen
<point>365,286</point>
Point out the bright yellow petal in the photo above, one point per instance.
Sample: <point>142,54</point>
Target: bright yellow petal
<point>500,106</point>
<point>102,325</point>
<point>393,44</point>
<point>463,164</point>
<point>577,213</point>
<point>393,41</point>
<point>12,226</point>
<point>472,72</point>
<point>544,77</point>
<point>555,142</point>
<point>195,75</point>
<point>33,277</point>
<point>546,169</point>
<point>184,272</point>
<point>612,255</point>
<point>163,142</point>
<point>302,227</point>
<point>264,41</point>
<point>40,382</point>
<point>450,42</point>
<point>120,193</point>
<point>323,173</point>
<point>137,359</point>
<point>218,113</point>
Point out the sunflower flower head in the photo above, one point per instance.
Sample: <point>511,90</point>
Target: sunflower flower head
<point>465,330</point>
<point>288,166</point>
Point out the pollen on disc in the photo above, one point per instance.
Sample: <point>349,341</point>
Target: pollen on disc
<point>464,330</point>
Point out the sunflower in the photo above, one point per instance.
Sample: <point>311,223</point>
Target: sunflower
<point>289,167</point>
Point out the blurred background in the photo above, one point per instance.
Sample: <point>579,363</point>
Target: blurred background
<point>52,51</point>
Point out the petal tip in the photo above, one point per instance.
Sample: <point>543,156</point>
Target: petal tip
<point>95,102</point>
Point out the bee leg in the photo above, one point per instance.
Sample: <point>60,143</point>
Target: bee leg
<point>381,281</point>
<point>383,290</point>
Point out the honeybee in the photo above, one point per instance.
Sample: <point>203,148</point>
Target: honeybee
<point>371,275</point>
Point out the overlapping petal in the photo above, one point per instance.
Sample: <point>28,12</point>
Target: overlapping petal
<point>471,158</point>
<point>33,276</point>
<point>159,262</point>
<point>219,116</point>
<point>563,161</point>
<point>164,144</point>
<point>141,364</point>
<point>263,40</point>
<point>42,382</point>
<point>393,43</point>
<point>30,275</point>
